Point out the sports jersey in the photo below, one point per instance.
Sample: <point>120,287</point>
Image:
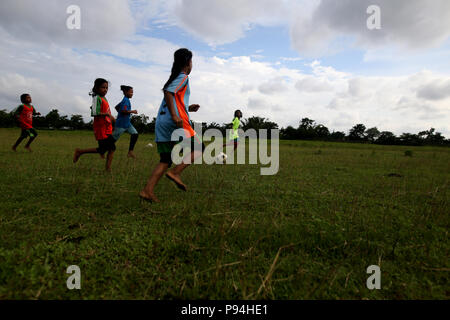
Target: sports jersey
<point>25,114</point>
<point>123,120</point>
<point>234,134</point>
<point>102,124</point>
<point>165,126</point>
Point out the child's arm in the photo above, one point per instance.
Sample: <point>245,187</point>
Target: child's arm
<point>35,113</point>
<point>129,112</point>
<point>18,111</point>
<point>168,97</point>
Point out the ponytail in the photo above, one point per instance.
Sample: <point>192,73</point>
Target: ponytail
<point>125,89</point>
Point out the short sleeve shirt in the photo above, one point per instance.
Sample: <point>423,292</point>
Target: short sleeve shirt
<point>165,126</point>
<point>102,124</point>
<point>123,120</point>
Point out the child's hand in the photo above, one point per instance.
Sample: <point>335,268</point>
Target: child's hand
<point>134,111</point>
<point>194,108</point>
<point>178,121</point>
<point>113,120</point>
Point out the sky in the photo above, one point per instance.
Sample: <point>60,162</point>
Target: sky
<point>279,59</point>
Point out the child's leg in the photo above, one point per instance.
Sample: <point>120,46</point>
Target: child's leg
<point>134,137</point>
<point>33,135</point>
<point>133,140</point>
<point>158,172</point>
<point>79,152</point>
<point>175,173</point>
<point>23,135</point>
<point>109,159</point>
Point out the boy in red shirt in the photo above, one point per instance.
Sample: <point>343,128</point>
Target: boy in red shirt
<point>103,124</point>
<point>24,115</point>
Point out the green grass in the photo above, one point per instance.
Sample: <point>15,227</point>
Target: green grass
<point>308,232</point>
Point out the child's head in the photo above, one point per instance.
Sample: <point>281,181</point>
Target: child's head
<point>182,61</point>
<point>238,114</point>
<point>127,91</point>
<point>25,98</point>
<point>100,87</point>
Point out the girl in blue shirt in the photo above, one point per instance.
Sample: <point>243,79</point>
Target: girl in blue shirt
<point>123,123</point>
<point>174,113</point>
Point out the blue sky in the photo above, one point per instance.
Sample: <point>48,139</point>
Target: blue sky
<point>283,60</point>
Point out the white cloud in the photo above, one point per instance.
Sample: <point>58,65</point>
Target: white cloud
<point>102,21</point>
<point>435,90</point>
<point>59,73</point>
<point>313,84</point>
<point>408,24</point>
<point>273,86</point>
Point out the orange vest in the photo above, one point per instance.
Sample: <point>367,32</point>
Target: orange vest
<point>26,117</point>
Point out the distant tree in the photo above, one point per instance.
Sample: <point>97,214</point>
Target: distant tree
<point>52,119</point>
<point>63,122</point>
<point>151,126</point>
<point>321,132</point>
<point>289,133</point>
<point>387,138</point>
<point>409,139</point>
<point>372,134</point>
<point>258,123</point>
<point>306,129</point>
<point>76,122</point>
<point>7,119</point>
<point>306,124</point>
<point>432,138</point>
<point>140,122</point>
<point>357,133</point>
<point>337,136</point>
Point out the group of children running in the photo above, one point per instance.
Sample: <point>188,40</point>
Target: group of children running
<point>173,113</point>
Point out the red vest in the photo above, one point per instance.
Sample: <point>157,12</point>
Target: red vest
<point>26,117</point>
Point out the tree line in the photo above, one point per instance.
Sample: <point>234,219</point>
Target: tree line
<point>307,129</point>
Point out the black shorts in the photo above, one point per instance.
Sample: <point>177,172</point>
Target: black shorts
<point>28,133</point>
<point>165,148</point>
<point>106,145</point>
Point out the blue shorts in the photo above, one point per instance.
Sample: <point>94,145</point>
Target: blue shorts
<point>119,131</point>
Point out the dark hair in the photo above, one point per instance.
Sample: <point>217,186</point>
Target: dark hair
<point>23,96</point>
<point>237,112</point>
<point>125,89</point>
<point>97,84</point>
<point>181,59</point>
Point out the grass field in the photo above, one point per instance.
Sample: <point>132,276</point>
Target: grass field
<point>308,232</point>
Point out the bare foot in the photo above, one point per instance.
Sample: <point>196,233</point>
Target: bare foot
<point>176,178</point>
<point>76,155</point>
<point>131,155</point>
<point>28,148</point>
<point>148,197</point>
<point>14,148</point>
<point>102,156</point>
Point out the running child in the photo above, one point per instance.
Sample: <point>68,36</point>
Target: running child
<point>234,134</point>
<point>103,124</point>
<point>24,116</point>
<point>174,113</point>
<point>123,123</point>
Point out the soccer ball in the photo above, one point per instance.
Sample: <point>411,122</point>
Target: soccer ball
<point>149,145</point>
<point>221,158</point>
